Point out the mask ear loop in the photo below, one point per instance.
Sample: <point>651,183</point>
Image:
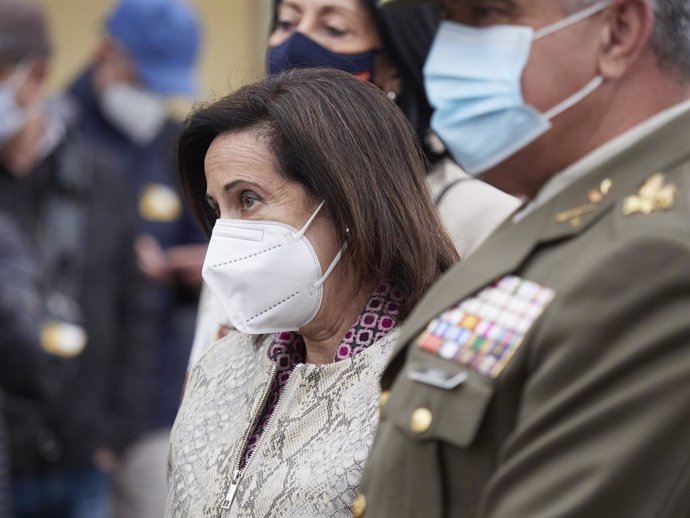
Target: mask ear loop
<point>594,83</point>
<point>309,221</point>
<point>574,99</point>
<point>572,19</point>
<point>337,258</point>
<point>334,263</point>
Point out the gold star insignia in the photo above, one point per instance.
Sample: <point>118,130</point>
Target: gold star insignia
<point>595,196</point>
<point>655,195</point>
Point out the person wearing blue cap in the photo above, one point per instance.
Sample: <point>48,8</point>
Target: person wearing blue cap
<point>148,54</point>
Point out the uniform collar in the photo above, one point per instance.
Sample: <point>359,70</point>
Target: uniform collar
<point>601,155</point>
<point>626,167</point>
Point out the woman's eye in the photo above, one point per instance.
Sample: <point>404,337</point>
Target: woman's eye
<point>284,25</point>
<point>335,32</point>
<point>248,200</point>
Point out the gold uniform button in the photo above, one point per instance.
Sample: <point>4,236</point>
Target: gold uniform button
<point>421,420</point>
<point>359,506</point>
<point>383,398</point>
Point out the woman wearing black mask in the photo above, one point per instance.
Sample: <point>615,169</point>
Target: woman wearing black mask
<point>388,47</point>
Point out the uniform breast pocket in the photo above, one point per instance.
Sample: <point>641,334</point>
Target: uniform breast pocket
<point>436,400</point>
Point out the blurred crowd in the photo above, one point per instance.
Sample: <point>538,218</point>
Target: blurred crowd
<point>101,261</point>
<point>404,179</point>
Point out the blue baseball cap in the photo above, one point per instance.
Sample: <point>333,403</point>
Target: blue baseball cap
<point>163,38</point>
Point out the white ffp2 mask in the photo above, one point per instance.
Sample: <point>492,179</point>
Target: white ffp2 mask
<point>138,114</point>
<point>265,274</point>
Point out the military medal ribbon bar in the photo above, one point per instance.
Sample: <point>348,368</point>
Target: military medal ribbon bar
<point>483,332</point>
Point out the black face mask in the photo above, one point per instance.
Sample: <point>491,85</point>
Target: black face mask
<point>299,51</point>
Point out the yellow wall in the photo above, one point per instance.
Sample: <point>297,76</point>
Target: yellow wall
<point>232,55</point>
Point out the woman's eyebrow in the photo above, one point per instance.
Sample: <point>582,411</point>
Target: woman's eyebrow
<point>336,9</point>
<point>235,183</point>
<point>291,5</point>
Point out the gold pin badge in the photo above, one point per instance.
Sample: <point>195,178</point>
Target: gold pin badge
<point>159,202</point>
<point>421,420</point>
<point>359,506</point>
<point>655,195</point>
<point>63,339</point>
<point>383,398</point>
<point>595,197</point>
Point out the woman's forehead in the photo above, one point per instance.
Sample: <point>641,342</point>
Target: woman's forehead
<point>343,6</point>
<point>243,154</point>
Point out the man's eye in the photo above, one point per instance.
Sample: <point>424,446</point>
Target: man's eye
<point>480,12</point>
<point>488,13</point>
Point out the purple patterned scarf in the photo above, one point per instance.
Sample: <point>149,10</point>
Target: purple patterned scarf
<point>380,316</point>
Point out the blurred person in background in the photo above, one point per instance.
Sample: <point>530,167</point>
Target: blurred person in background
<point>73,214</point>
<point>322,267</point>
<point>389,48</point>
<point>146,56</point>
<point>21,357</point>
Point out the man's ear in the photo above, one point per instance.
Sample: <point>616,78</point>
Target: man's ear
<point>625,35</point>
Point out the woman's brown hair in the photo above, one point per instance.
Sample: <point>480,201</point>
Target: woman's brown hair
<point>348,145</point>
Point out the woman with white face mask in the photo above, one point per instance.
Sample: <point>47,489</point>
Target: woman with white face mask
<point>321,243</point>
<point>387,48</point>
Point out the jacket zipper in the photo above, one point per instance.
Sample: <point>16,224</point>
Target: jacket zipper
<point>237,472</point>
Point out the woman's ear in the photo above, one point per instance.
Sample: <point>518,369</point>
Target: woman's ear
<point>625,35</point>
<point>387,76</point>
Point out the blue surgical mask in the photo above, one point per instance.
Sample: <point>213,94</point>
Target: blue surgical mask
<point>473,81</point>
<point>299,51</point>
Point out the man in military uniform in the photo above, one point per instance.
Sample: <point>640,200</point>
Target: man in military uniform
<point>548,375</point>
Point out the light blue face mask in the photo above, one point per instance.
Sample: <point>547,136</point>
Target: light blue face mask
<point>473,81</point>
<point>12,116</point>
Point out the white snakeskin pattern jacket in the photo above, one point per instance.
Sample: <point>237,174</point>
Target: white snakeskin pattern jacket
<point>312,453</point>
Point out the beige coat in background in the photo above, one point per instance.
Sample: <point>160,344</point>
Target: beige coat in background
<point>470,208</point>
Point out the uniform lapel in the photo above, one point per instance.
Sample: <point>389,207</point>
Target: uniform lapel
<point>502,253</point>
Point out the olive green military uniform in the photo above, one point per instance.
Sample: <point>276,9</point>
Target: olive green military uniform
<point>548,375</point>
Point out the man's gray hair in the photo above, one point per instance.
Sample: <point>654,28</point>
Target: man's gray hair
<point>671,40</point>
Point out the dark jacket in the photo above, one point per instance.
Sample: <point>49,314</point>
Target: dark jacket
<point>20,353</point>
<point>74,213</point>
<point>146,169</point>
